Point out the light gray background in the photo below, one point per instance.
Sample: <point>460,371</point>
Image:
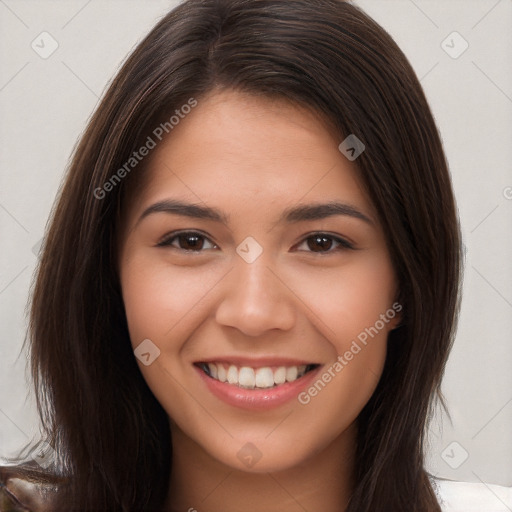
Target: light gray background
<point>44,106</point>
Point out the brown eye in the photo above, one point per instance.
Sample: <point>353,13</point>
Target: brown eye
<point>189,241</point>
<point>324,243</point>
<point>319,243</point>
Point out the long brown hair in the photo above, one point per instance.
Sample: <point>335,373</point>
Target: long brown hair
<point>110,434</point>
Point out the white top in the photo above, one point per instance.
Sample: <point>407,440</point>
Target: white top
<point>472,497</point>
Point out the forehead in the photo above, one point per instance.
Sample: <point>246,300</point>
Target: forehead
<point>236,149</point>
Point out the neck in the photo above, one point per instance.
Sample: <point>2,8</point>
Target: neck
<point>201,483</point>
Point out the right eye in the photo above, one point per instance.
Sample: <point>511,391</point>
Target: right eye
<point>187,241</point>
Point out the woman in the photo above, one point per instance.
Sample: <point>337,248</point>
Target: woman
<point>249,287</point>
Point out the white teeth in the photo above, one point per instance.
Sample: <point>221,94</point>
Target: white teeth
<point>221,373</point>
<point>264,378</point>
<point>250,378</point>
<point>232,375</point>
<point>280,375</point>
<point>213,370</point>
<point>291,373</point>
<point>246,377</point>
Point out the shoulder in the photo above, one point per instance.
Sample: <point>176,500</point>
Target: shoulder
<point>25,488</point>
<point>472,497</point>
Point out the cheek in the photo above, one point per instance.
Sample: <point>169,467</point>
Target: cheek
<point>356,312</point>
<point>348,300</point>
<point>163,304</point>
<point>354,309</point>
<point>160,299</point>
<point>336,398</point>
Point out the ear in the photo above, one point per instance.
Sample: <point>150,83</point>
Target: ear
<point>395,315</point>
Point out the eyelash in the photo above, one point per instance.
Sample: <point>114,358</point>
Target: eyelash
<point>343,244</point>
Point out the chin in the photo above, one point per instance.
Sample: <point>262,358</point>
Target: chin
<point>258,456</point>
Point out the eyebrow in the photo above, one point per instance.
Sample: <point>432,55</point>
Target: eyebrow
<point>322,211</point>
<point>295,214</point>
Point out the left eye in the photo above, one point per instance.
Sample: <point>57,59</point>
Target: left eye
<point>324,243</point>
<point>189,241</point>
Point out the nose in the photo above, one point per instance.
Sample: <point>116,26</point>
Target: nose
<point>255,299</point>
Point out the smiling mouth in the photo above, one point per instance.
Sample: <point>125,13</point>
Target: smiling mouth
<point>245,377</point>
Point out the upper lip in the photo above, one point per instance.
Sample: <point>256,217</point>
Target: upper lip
<point>257,362</point>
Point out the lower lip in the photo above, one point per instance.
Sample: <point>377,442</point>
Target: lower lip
<point>257,398</point>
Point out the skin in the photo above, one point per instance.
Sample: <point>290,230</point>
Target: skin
<point>251,158</point>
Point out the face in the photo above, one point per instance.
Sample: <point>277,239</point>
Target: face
<point>257,283</point>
